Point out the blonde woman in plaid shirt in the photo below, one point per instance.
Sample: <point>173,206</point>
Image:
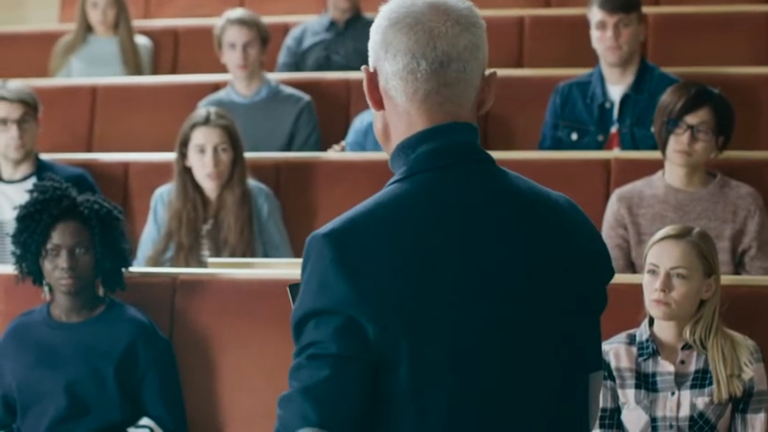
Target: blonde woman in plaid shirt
<point>682,369</point>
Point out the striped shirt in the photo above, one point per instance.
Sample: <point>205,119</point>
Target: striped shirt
<point>12,195</point>
<point>205,247</point>
<point>642,392</point>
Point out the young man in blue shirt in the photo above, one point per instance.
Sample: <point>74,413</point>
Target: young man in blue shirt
<point>337,40</point>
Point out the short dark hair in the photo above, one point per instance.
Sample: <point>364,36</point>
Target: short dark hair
<point>52,201</point>
<point>624,7</point>
<point>687,97</point>
<point>17,92</point>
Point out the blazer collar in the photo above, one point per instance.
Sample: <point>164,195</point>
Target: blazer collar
<point>437,146</point>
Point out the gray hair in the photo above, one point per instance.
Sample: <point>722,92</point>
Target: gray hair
<point>429,52</point>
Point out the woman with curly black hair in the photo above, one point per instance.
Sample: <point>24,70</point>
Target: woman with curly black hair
<point>84,361</point>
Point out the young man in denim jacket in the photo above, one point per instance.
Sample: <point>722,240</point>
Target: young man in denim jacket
<point>612,106</point>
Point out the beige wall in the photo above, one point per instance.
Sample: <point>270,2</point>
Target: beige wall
<point>19,12</point>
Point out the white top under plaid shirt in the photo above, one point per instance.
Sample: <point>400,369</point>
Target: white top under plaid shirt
<point>641,392</point>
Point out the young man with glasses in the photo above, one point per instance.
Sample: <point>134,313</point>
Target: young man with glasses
<point>20,164</point>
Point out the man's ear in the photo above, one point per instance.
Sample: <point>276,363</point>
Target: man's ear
<point>487,93</point>
<point>372,89</point>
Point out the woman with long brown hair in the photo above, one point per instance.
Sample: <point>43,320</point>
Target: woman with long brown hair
<point>103,43</point>
<point>211,208</point>
<point>682,369</point>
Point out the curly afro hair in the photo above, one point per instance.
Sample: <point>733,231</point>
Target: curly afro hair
<point>52,201</point>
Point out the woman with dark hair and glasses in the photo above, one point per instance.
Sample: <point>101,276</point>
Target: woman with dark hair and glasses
<point>693,124</point>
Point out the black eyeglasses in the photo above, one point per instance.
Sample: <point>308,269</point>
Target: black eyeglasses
<point>701,133</point>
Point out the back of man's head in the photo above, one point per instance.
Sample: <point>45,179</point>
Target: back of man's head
<point>429,53</point>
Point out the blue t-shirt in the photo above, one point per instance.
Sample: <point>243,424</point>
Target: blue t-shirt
<point>360,136</point>
<point>101,374</point>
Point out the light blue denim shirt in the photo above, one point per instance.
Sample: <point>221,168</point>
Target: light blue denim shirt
<point>271,236</point>
<point>361,136</point>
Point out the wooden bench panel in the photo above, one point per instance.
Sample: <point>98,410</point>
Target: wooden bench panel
<point>233,339</point>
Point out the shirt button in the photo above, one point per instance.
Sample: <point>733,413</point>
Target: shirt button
<point>673,393</point>
<point>574,136</point>
<point>600,137</point>
<point>682,361</point>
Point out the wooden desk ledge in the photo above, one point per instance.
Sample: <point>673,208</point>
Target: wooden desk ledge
<point>355,156</point>
<point>729,280</point>
<point>221,78</point>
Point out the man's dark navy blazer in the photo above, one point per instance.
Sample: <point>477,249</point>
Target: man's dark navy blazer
<point>462,297</point>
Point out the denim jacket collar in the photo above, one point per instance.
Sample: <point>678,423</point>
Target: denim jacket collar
<point>639,87</point>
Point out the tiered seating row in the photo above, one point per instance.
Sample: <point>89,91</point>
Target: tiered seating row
<point>231,333</point>
<point>315,188</point>
<point>203,8</point>
<point>144,114</point>
<point>685,36</point>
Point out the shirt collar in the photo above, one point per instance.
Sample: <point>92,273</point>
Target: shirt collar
<point>326,23</point>
<point>447,143</point>
<point>267,87</point>
<point>646,346</point>
<point>639,87</point>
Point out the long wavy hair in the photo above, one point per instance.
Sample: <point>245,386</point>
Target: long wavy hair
<point>233,231</point>
<point>69,43</point>
<point>729,355</point>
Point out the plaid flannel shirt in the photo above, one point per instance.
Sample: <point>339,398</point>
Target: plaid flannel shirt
<point>641,392</point>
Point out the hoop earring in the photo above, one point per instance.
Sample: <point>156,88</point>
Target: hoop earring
<point>46,291</point>
<point>100,291</point>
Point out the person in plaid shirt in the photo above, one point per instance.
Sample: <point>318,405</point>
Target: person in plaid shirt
<point>682,369</point>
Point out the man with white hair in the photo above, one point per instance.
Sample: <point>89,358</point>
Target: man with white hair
<point>462,297</point>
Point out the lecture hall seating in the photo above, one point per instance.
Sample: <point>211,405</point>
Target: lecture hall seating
<point>523,38</point>
<point>315,188</point>
<point>143,114</point>
<point>149,9</point>
<point>231,332</point>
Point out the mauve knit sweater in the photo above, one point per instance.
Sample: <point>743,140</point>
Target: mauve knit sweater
<point>732,212</point>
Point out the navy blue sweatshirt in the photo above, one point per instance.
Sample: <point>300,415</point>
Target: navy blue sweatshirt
<point>101,374</point>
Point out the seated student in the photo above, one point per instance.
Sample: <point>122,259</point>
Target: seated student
<point>694,124</point>
<point>82,361</point>
<point>682,369</point>
<point>337,40</point>
<point>20,165</point>
<point>102,44</point>
<point>361,136</point>
<point>270,116</point>
<point>611,107</point>
<point>211,208</point>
